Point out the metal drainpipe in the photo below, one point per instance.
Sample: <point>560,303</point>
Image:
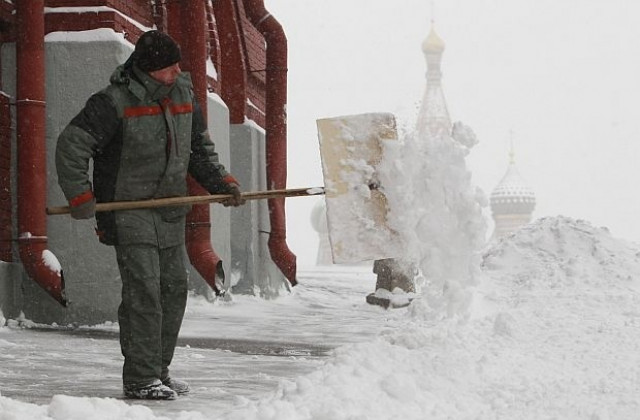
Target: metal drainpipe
<point>276,128</point>
<point>40,263</point>
<point>198,224</point>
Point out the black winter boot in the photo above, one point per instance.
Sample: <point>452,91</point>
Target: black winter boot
<point>180,387</point>
<point>154,391</point>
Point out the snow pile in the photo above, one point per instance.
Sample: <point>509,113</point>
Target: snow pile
<point>560,342</point>
<point>74,408</point>
<point>438,212</point>
<point>561,252</point>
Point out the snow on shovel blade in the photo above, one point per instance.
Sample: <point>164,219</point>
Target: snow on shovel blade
<point>351,148</point>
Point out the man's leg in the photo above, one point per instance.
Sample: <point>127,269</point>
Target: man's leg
<point>174,288</point>
<point>140,314</point>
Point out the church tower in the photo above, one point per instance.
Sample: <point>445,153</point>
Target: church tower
<point>433,118</point>
<point>512,201</point>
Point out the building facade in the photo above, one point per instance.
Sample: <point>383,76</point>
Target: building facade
<point>53,55</point>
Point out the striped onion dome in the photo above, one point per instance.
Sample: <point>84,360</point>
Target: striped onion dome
<point>512,195</point>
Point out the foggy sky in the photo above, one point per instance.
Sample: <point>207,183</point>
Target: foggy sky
<point>563,76</point>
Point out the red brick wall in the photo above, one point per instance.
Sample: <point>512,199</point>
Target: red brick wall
<point>141,11</point>
<point>71,22</point>
<point>257,63</point>
<point>214,47</point>
<point>256,59</point>
<point>138,10</point>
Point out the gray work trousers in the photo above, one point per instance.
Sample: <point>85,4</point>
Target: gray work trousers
<point>154,297</point>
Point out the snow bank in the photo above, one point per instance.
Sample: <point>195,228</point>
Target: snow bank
<point>76,408</point>
<point>562,252</point>
<point>17,410</point>
<point>562,343</point>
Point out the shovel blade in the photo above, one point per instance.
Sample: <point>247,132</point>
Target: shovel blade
<point>351,149</point>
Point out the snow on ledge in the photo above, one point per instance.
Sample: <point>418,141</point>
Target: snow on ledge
<point>93,35</point>
<point>95,9</point>
<point>51,261</point>
<point>211,69</point>
<point>216,98</point>
<point>251,123</point>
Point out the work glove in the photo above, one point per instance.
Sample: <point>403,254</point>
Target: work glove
<point>83,206</point>
<point>233,188</point>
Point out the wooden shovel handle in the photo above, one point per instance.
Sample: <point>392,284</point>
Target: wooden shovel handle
<point>195,199</point>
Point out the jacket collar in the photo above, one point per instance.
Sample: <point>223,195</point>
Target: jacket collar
<point>141,84</point>
<point>155,89</point>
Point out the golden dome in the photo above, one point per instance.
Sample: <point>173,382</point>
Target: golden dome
<point>433,43</point>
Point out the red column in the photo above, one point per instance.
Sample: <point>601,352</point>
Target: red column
<point>41,265</point>
<point>276,127</point>
<point>194,60</point>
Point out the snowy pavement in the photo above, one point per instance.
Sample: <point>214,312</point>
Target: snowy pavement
<point>228,351</point>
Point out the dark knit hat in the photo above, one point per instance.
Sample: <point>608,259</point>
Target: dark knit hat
<point>156,50</point>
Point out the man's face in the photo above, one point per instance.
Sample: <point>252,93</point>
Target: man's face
<point>167,75</point>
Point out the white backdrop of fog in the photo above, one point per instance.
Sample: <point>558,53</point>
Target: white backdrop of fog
<point>564,75</point>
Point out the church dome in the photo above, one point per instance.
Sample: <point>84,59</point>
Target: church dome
<point>512,195</point>
<point>433,43</point>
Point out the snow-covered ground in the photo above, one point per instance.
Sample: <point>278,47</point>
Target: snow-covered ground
<point>553,331</point>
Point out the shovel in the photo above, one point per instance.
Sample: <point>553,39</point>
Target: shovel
<point>351,148</point>
<point>196,199</point>
<point>204,199</point>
